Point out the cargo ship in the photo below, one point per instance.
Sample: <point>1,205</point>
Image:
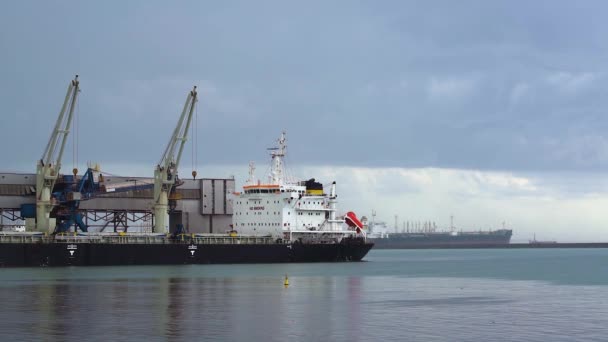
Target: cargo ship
<point>280,220</point>
<point>273,222</point>
<point>427,238</point>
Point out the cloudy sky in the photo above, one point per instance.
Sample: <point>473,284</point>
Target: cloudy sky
<point>490,111</point>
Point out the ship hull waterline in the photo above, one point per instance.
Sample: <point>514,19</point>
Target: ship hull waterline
<point>104,254</point>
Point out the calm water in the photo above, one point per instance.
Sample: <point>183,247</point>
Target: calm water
<point>426,295</point>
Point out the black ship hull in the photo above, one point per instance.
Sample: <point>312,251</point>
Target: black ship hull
<point>493,239</point>
<point>175,253</point>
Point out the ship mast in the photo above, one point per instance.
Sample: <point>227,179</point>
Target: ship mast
<point>333,222</point>
<point>251,179</point>
<point>396,223</point>
<point>373,220</point>
<point>277,170</point>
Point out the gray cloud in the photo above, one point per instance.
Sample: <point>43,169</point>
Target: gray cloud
<point>473,84</point>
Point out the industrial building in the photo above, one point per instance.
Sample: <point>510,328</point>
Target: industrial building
<point>205,205</point>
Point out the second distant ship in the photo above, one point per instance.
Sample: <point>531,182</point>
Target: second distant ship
<point>441,239</point>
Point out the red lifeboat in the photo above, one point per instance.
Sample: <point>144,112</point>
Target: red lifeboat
<point>352,221</point>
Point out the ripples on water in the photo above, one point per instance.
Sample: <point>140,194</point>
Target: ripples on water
<point>426,295</point>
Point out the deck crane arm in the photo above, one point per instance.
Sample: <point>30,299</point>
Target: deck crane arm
<point>50,164</point>
<point>165,174</point>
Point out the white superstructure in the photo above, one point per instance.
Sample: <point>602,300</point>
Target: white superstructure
<point>285,209</point>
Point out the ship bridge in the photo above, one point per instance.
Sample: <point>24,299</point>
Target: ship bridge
<point>274,189</point>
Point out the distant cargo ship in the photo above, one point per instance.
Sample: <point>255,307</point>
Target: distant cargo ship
<point>445,239</point>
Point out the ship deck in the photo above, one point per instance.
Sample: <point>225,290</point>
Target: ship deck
<point>134,238</point>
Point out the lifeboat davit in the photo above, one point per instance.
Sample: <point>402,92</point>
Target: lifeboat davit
<point>352,220</point>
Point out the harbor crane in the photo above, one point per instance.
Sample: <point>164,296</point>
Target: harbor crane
<point>58,196</point>
<point>70,190</point>
<point>165,174</point>
<point>49,165</point>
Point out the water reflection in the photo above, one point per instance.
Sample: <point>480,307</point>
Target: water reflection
<point>183,308</point>
<point>338,302</point>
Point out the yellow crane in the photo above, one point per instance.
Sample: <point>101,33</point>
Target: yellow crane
<point>49,165</point>
<point>165,174</point>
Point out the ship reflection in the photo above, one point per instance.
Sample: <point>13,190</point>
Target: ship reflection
<point>184,308</point>
<point>236,308</point>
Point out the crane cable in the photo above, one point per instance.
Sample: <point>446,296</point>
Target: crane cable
<point>196,137</point>
<point>75,129</point>
<point>194,141</point>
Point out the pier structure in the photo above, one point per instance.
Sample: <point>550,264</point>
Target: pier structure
<point>204,206</point>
